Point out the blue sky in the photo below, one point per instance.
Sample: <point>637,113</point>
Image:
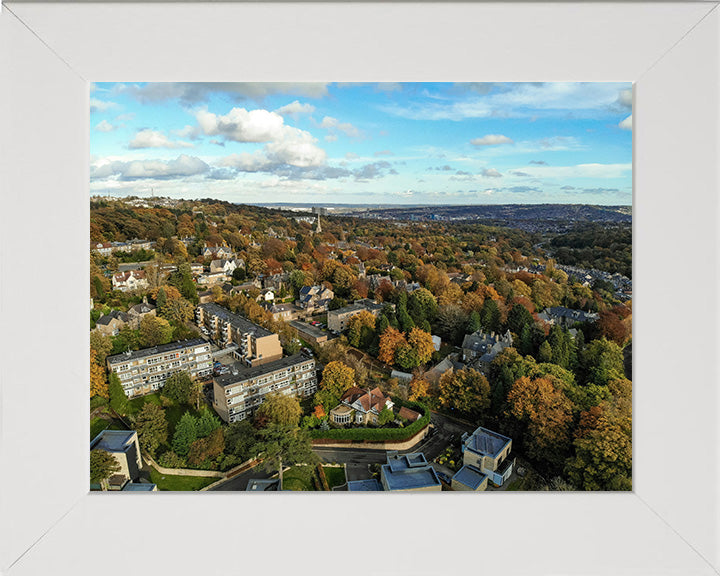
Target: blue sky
<point>353,143</point>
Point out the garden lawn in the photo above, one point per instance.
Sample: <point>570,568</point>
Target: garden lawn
<point>97,425</point>
<point>335,476</point>
<point>179,483</point>
<point>299,479</point>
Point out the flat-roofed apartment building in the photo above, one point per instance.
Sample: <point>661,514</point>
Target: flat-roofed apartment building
<point>239,393</point>
<point>337,319</point>
<point>255,344</point>
<point>145,371</point>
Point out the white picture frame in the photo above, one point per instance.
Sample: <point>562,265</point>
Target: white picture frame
<point>49,523</point>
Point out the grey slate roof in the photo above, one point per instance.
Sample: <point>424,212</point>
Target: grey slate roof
<point>114,315</point>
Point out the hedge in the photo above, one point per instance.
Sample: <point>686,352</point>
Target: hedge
<point>377,434</point>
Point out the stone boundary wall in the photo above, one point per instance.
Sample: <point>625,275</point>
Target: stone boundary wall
<point>206,473</point>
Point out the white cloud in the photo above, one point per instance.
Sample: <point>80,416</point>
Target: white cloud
<point>181,167</point>
<point>627,124</point>
<point>601,171</point>
<point>625,98</point>
<point>97,105</point>
<point>153,139</point>
<point>491,140</point>
<point>295,109</point>
<point>104,126</point>
<point>334,125</point>
<point>491,173</point>
<point>284,144</point>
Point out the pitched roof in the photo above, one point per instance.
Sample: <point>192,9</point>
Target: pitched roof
<point>113,315</point>
<point>408,414</point>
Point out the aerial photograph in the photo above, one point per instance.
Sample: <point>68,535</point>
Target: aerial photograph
<point>361,287</point>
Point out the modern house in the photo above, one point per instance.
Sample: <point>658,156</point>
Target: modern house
<point>408,473</point>
<point>338,319</point>
<point>469,478</point>
<point>239,393</point>
<point>254,344</point>
<point>130,280</point>
<point>358,406</point>
<point>124,446</point>
<point>145,371</point>
<point>488,452</point>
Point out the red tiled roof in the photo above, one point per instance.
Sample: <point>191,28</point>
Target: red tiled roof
<point>408,414</point>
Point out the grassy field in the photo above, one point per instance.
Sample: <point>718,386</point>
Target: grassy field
<point>299,479</point>
<point>179,483</point>
<point>335,476</point>
<point>98,424</point>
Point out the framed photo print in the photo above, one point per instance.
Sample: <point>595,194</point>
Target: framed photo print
<point>351,247</point>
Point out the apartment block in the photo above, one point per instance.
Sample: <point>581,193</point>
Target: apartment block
<point>239,393</point>
<point>145,371</point>
<point>253,344</point>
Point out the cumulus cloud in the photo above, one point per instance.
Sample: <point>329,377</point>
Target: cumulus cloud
<point>333,125</point>
<point>104,126</point>
<point>181,167</point>
<point>295,109</point>
<point>491,173</point>
<point>491,140</point>
<point>626,124</point>
<point>153,139</point>
<point>284,144</point>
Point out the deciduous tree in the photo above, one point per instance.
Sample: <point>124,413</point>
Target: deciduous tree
<point>152,427</point>
<point>98,382</point>
<point>102,466</point>
<point>280,409</point>
<point>466,391</point>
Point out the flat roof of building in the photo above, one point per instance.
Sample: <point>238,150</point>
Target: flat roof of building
<point>260,485</point>
<point>140,487</point>
<point>247,373</point>
<point>314,331</point>
<point>487,442</point>
<point>370,485</point>
<point>145,352</point>
<point>113,440</point>
<point>409,472</point>
<point>470,476</point>
<point>239,322</point>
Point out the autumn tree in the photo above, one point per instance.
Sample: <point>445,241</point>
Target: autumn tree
<point>102,466</point>
<point>98,382</point>
<point>154,331</point>
<point>603,448</point>
<point>337,378</point>
<point>465,390</point>
<point>206,449</point>
<point>152,427</point>
<point>279,409</point>
<point>547,415</point>
<point>361,329</point>
<point>101,344</point>
<point>390,341</point>
<point>419,388</point>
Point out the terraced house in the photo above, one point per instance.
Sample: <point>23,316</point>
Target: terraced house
<point>253,344</point>
<point>238,394</point>
<point>145,371</point>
